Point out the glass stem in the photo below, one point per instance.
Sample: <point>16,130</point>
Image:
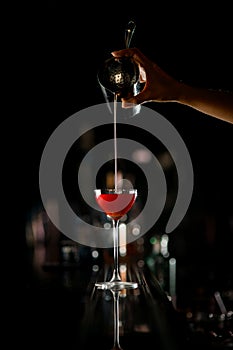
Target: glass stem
<point>116,274</point>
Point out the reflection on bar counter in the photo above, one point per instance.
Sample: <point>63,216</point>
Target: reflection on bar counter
<point>63,278</point>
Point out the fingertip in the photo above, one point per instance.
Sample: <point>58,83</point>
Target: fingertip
<point>130,103</point>
<point>114,53</point>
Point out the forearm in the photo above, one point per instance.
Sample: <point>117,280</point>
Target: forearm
<point>218,104</point>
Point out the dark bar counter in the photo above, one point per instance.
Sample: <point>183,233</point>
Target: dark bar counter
<point>63,309</point>
<point>53,302</point>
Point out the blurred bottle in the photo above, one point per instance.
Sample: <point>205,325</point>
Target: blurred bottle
<point>158,260</point>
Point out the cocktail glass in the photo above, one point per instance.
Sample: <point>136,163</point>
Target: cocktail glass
<point>116,203</point>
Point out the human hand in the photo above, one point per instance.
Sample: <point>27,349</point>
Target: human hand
<point>159,86</point>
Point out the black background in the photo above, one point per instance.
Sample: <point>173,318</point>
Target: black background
<point>55,49</point>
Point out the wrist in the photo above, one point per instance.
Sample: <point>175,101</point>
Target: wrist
<point>183,93</point>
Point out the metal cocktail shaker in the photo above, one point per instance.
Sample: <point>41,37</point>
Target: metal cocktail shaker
<point>120,76</point>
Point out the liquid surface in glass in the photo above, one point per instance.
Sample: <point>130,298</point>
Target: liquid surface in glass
<point>116,204</point>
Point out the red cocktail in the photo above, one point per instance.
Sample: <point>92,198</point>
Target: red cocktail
<point>116,203</point>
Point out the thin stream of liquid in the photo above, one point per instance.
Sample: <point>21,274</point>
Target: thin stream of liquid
<point>115,141</point>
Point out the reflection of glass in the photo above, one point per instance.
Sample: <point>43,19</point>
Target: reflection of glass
<point>116,203</point>
<point>116,339</point>
<point>134,319</point>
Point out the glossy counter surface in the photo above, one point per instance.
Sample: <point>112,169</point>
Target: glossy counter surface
<point>67,311</point>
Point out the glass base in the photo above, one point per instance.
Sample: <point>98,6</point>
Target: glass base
<point>117,285</point>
